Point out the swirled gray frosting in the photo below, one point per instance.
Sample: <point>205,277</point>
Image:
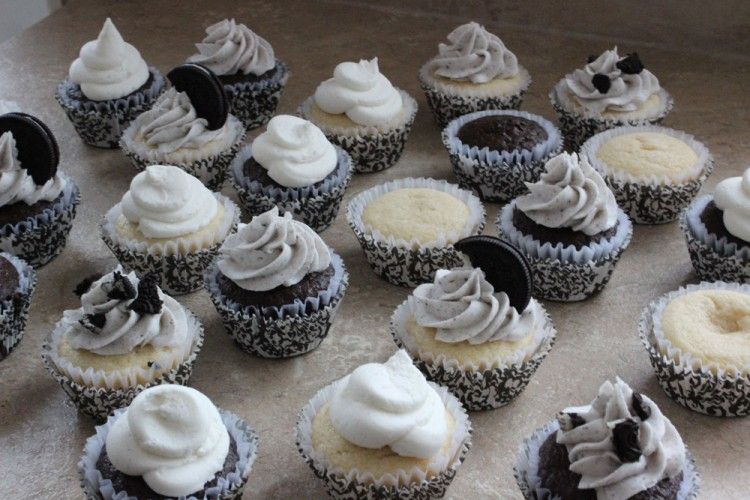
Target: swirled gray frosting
<point>231,48</point>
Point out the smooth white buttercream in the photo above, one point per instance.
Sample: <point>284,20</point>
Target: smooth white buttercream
<point>733,197</point>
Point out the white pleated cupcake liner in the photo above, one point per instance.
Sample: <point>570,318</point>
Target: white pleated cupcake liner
<point>316,206</point>
<point>372,149</point>
<point>411,263</point>
<point>492,383</point>
<point>101,123</point>
<point>254,103</point>
<point>526,468</point>
<point>15,310</point>
<point>41,238</point>
<point>704,388</point>
<point>415,484</point>
<point>229,487</point>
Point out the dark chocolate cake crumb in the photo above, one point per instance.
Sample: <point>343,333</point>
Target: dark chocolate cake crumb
<point>625,439</point>
<point>93,322</point>
<point>631,64</point>
<point>121,288</point>
<point>147,301</point>
<point>641,408</point>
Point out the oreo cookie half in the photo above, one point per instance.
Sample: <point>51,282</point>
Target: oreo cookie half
<point>205,90</point>
<point>504,265</point>
<point>37,148</point>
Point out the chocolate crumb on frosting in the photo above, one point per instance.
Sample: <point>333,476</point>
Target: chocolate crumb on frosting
<point>85,284</point>
<point>147,301</point>
<point>631,64</point>
<point>625,439</point>
<point>601,82</point>
<point>569,421</point>
<point>641,409</point>
<point>502,133</point>
<point>93,322</point>
<point>121,288</point>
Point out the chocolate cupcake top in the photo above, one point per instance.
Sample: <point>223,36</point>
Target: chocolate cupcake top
<point>502,132</point>
<point>17,184</point>
<point>230,48</point>
<point>732,196</point>
<point>621,443</point>
<point>570,194</point>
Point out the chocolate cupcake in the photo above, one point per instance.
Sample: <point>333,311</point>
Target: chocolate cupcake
<point>494,153</point>
<point>107,87</point>
<point>277,286</point>
<point>17,284</point>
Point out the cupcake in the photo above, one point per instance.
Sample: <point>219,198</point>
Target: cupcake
<point>655,172</point>
<point>465,332</point>
<point>169,224</point>
<point>569,228</point>
<point>717,231</point>
<point>474,71</point>
<point>620,446</point>
<point>38,202</point>
<point>189,126</point>
<point>171,442</point>
<point>610,91</point>
<point>126,336</point>
<point>17,284</point>
<point>107,87</point>
<point>294,167</point>
<point>253,78</point>
<point>407,227</point>
<point>494,153</point>
<point>698,340</point>
<point>384,432</point>
<point>277,286</point>
<point>361,111</point>
<point>8,107</point>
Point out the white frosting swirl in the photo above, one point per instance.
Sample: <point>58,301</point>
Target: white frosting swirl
<point>463,306</point>
<point>626,92</point>
<point>165,201</point>
<point>474,54</point>
<point>392,405</point>
<point>593,453</point>
<point>733,197</point>
<point>361,92</point>
<point>230,48</point>
<point>16,185</point>
<point>108,67</point>
<point>570,194</point>
<point>272,251</point>
<point>173,437</point>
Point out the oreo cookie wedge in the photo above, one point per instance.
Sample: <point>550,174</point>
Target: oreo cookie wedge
<point>205,90</point>
<point>37,148</point>
<point>503,264</point>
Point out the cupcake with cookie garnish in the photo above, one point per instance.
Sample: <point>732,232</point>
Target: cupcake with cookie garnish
<point>17,284</point>
<point>107,87</point>
<point>570,229</point>
<point>474,71</point>
<point>610,91</point>
<point>621,446</point>
<point>383,431</point>
<point>292,166</point>
<point>360,110</point>
<point>126,336</point>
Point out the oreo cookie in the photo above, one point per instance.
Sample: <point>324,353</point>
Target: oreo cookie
<point>37,148</point>
<point>205,90</point>
<point>504,265</point>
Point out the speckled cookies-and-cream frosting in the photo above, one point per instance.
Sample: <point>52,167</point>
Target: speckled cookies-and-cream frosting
<point>230,48</point>
<point>16,185</point>
<point>732,196</point>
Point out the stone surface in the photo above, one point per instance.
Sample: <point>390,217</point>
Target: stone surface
<point>699,52</point>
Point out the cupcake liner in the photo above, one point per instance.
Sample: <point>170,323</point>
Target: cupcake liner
<point>370,148</point>
<point>99,401</point>
<point>211,170</point>
<point>704,388</point>
<point>410,263</point>
<point>41,238</point>
<point>101,123</point>
<point>415,484</point>
<point>499,176</point>
<point>281,332</point>
<point>15,310</point>
<point>95,487</point>
<point>254,103</point>
<point>526,469</point>
<point>477,387</point>
<point>316,206</point>
<point>565,273</point>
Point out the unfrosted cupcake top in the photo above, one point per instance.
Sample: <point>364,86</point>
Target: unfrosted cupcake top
<point>732,196</point>
<point>108,67</point>
<point>16,184</point>
<point>230,48</point>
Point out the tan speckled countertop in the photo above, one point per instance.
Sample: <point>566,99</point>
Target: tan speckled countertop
<point>701,57</point>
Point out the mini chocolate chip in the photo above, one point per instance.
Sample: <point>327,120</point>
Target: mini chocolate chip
<point>641,408</point>
<point>591,59</point>
<point>85,285</point>
<point>150,364</point>
<point>94,322</point>
<point>601,83</point>
<point>121,288</point>
<point>625,439</point>
<point>147,301</point>
<point>630,64</point>
<point>569,421</point>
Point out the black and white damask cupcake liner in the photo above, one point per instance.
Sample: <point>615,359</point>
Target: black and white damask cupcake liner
<point>15,310</point>
<point>41,238</point>
<point>254,103</point>
<point>229,487</point>
<point>317,207</point>
<point>101,123</point>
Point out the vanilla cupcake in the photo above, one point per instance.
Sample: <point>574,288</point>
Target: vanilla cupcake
<point>126,336</point>
<point>17,284</point>
<point>401,437</point>
<point>474,71</point>
<point>169,224</point>
<point>361,111</point>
